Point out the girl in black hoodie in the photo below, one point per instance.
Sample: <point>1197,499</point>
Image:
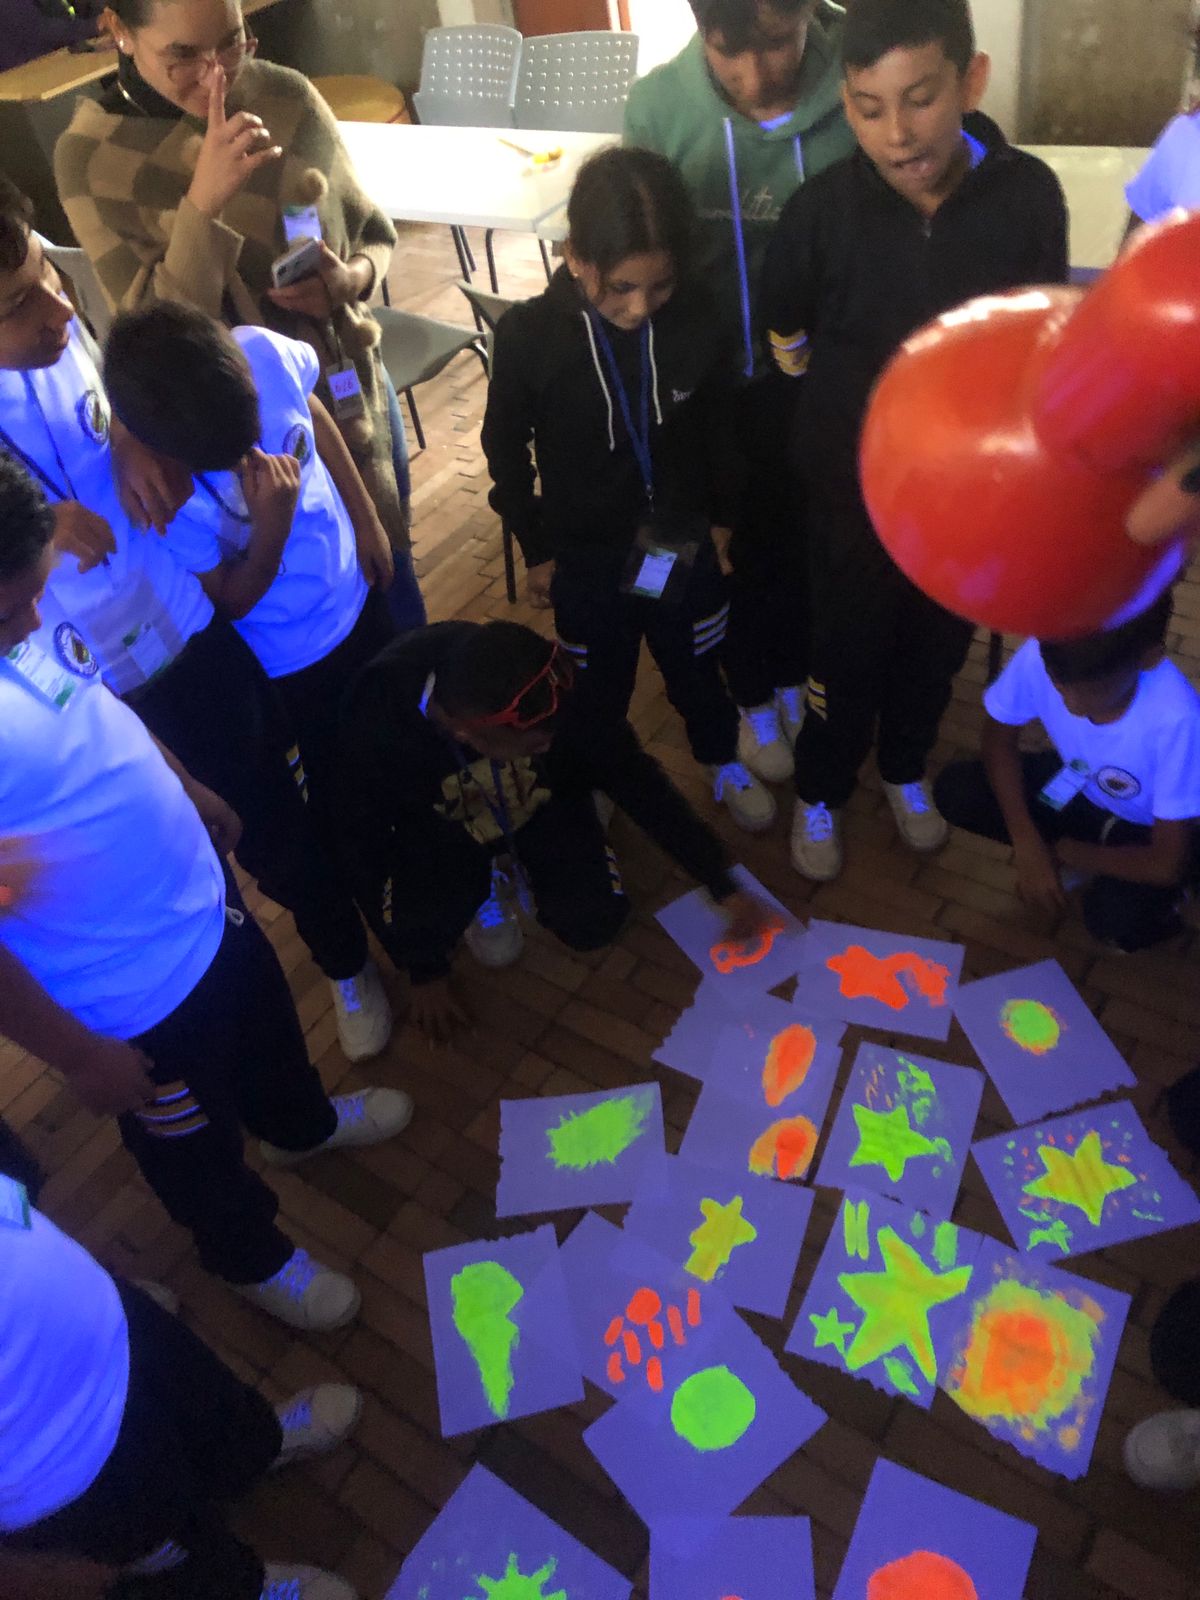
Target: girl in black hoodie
<point>615,376</point>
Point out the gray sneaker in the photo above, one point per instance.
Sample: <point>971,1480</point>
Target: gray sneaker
<point>921,825</point>
<point>364,1016</point>
<point>494,937</point>
<point>762,745</point>
<point>1164,1452</point>
<point>316,1420</point>
<point>816,841</point>
<point>369,1116</point>
<point>743,796</point>
<point>305,1295</point>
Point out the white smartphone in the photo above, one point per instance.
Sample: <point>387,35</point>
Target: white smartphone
<point>300,261</point>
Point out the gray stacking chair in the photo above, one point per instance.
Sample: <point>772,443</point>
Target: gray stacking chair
<point>576,81</point>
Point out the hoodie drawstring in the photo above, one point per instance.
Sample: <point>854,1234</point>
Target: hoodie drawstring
<point>739,241</point>
<point>591,333</point>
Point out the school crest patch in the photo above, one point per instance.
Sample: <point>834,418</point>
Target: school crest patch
<point>73,652</point>
<point>92,411</point>
<point>1118,784</point>
<point>298,444</point>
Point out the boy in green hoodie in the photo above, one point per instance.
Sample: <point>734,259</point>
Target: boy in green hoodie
<point>748,110</point>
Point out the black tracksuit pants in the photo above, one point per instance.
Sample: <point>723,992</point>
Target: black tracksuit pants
<point>231,1056</point>
<point>767,644</point>
<point>216,710</point>
<point>570,867</point>
<point>193,1437</point>
<point>603,629</point>
<point>1130,915</point>
<point>884,654</point>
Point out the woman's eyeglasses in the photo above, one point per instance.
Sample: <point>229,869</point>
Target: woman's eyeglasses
<point>183,64</point>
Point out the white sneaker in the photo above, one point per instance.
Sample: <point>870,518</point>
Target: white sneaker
<point>368,1117</point>
<point>305,1295</point>
<point>605,806</point>
<point>816,841</point>
<point>1164,1451</point>
<point>316,1420</point>
<point>287,1582</point>
<point>762,744</point>
<point>789,705</point>
<point>494,937</point>
<point>748,803</point>
<point>165,1299</point>
<point>922,826</point>
<point>364,1016</point>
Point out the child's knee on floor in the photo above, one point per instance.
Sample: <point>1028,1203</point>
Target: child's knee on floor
<point>1129,916</point>
<point>585,922</point>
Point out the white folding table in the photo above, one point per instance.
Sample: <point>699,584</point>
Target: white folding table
<point>467,177</point>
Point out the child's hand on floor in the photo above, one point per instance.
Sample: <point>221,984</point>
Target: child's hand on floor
<point>1038,879</point>
<point>436,1011</point>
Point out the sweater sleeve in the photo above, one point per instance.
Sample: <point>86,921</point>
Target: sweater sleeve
<point>507,438</point>
<point>589,755</point>
<point>790,279</point>
<point>369,229</point>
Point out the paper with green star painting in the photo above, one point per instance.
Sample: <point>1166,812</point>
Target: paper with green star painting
<point>903,1128</point>
<point>887,1296</point>
<point>1084,1182</point>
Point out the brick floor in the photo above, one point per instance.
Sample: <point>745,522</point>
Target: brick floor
<point>562,1022</point>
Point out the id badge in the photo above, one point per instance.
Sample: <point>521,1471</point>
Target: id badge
<point>56,687</point>
<point>659,563</point>
<point>301,222</point>
<point>1062,788</point>
<point>14,1205</point>
<point>346,391</point>
<point>147,650</point>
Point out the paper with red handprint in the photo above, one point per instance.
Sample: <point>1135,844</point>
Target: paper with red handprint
<point>698,927</point>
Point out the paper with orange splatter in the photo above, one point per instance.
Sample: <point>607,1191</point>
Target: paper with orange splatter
<point>889,981</point>
<point>741,1138</point>
<point>887,1296</point>
<point>736,1558</point>
<point>1040,1044</point>
<point>917,1540</point>
<point>1033,1357</point>
<point>699,928</point>
<point>903,1128</point>
<point>1084,1182</point>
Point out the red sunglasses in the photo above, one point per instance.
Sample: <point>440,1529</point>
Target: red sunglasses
<point>557,675</point>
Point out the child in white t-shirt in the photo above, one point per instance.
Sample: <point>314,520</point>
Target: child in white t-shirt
<point>230,415</point>
<point>1170,176</point>
<point>1117,798</point>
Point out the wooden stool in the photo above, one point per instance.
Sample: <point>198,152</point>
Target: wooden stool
<point>361,98</point>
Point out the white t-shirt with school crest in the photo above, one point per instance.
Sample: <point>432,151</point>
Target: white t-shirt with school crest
<point>125,908</point>
<point>136,612</point>
<point>64,1367</point>
<point>319,591</point>
<point>1144,765</point>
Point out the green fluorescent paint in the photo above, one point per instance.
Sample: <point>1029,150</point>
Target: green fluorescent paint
<point>513,1584</point>
<point>1031,1025</point>
<point>887,1139</point>
<point>483,1295</point>
<point>599,1136</point>
<point>917,1225</point>
<point>712,1409</point>
<point>1081,1178</point>
<point>945,1245</point>
<point>1055,1232</point>
<point>901,1375</point>
<point>717,1237</point>
<point>856,1229</point>
<point>896,1303</point>
<point>917,1088</point>
<point>829,1329</point>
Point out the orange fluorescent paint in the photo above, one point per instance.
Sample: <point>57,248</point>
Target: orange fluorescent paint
<point>616,1372</point>
<point>643,1305</point>
<point>675,1323</point>
<point>924,1575</point>
<point>693,1308</point>
<point>654,1374</point>
<point>654,1331</point>
<point>785,1149</point>
<point>613,1332</point>
<point>633,1347</point>
<point>867,977</point>
<point>789,1058</point>
<point>728,954</point>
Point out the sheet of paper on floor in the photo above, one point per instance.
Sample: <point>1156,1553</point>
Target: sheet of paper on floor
<point>562,1151</point>
<point>889,981</point>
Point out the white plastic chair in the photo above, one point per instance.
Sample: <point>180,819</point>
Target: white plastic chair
<point>469,76</point>
<point>576,81</point>
<point>89,296</point>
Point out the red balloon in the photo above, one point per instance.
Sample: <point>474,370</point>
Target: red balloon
<point>1005,443</point>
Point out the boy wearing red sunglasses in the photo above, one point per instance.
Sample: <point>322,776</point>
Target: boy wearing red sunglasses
<point>462,745</point>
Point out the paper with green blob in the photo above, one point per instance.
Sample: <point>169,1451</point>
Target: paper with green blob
<point>503,1339</point>
<point>904,1128</point>
<point>566,1151</point>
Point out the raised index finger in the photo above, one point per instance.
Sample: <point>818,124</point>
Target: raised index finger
<point>216,98</point>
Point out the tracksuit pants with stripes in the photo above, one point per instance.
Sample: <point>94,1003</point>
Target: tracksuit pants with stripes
<point>603,630</point>
<point>231,1056</point>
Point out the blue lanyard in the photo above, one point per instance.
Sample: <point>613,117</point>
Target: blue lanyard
<point>28,461</point>
<point>219,499</point>
<point>639,439</point>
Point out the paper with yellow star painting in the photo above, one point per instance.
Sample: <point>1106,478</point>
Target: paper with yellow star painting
<point>1084,1182</point>
<point>903,1128</point>
<point>888,1296</point>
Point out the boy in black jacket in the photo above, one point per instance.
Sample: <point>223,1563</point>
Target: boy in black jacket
<point>463,742</point>
<point>934,207</point>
